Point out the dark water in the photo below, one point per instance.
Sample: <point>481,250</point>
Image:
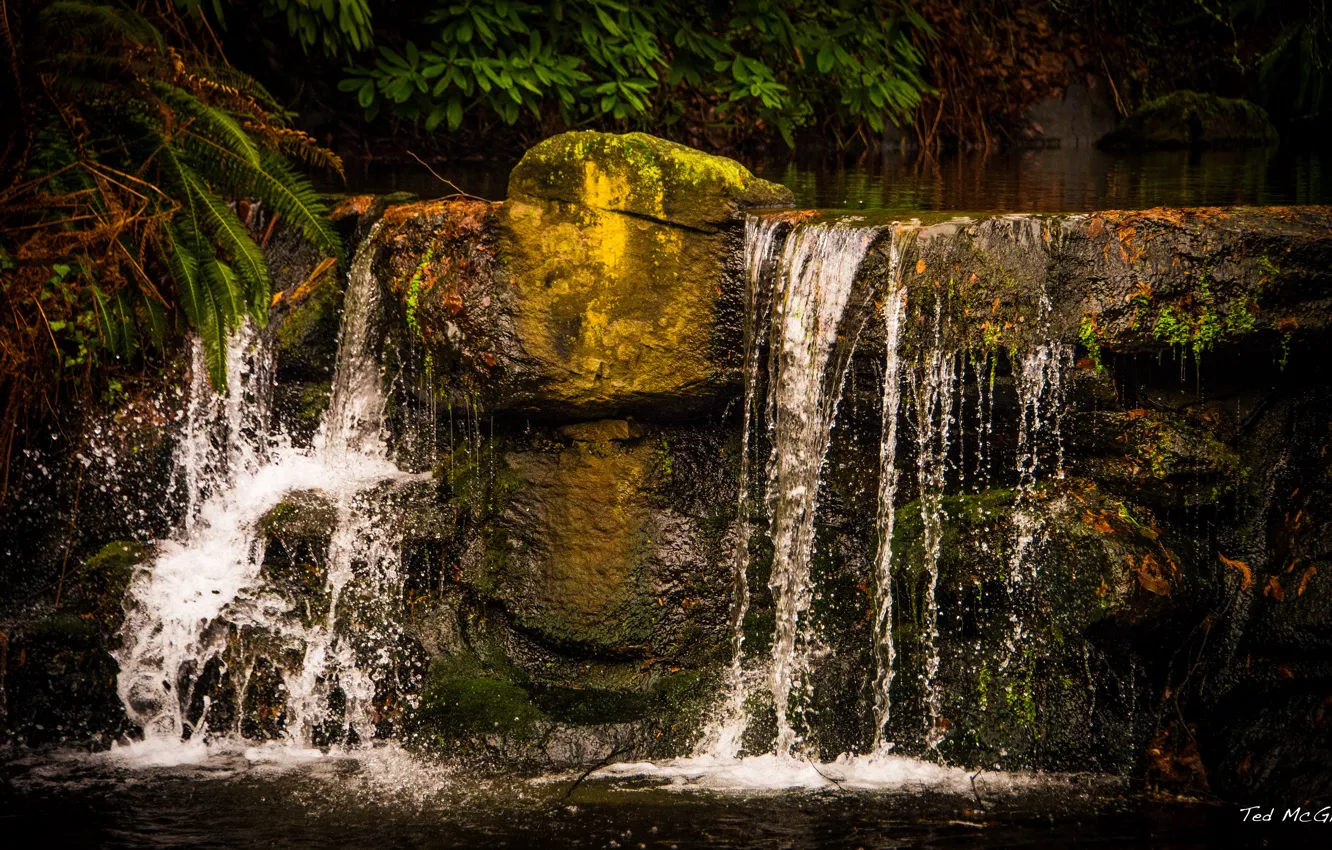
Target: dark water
<point>60,802</point>
<point>1055,180</point>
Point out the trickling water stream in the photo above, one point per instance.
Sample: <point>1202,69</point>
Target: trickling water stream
<point>894,305</point>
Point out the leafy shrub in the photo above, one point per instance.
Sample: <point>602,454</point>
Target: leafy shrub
<point>751,67</point>
<point>129,146</point>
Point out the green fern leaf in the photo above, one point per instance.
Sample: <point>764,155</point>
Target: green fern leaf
<point>292,196</point>
<point>196,299</point>
<point>246,260</point>
<point>217,125</point>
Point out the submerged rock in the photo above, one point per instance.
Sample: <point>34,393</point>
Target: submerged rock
<point>1188,119</point>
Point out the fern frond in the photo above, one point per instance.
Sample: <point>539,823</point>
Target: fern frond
<point>219,127</point>
<point>231,235</point>
<point>122,19</point>
<point>226,290</point>
<point>296,200</point>
<point>196,299</point>
<point>300,145</point>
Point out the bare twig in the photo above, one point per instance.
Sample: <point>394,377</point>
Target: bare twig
<point>458,193</point>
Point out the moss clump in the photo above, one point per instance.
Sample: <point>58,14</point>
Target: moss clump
<point>1187,119</point>
<point>1089,336</point>
<point>105,576</point>
<point>298,532</point>
<point>463,700</point>
<point>642,175</point>
<point>307,335</point>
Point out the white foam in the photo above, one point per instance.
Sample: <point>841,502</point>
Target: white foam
<point>772,773</point>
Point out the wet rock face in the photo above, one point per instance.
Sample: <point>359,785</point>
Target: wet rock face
<point>592,562</point>
<point>1122,281</point>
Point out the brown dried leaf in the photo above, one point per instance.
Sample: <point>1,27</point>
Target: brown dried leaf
<point>1246,574</point>
<point>1304,580</point>
<point>1273,589</point>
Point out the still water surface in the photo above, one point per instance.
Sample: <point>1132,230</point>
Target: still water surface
<point>1053,180</point>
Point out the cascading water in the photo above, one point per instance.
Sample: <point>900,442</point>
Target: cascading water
<point>1038,375</point>
<point>205,586</point>
<point>894,305</point>
<point>722,737</point>
<point>931,386</point>
<point>807,363</point>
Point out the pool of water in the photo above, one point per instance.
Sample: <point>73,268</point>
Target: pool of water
<point>1051,180</point>
<point>387,798</point>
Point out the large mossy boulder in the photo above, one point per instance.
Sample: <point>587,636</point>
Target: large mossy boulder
<point>609,282</point>
<point>1187,119</point>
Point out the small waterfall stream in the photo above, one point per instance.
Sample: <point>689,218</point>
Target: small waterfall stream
<point>205,586</point>
<point>885,653</point>
<point>814,322</point>
<point>722,737</point>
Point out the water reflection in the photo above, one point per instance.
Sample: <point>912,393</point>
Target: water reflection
<point>1057,180</point>
<point>1050,180</point>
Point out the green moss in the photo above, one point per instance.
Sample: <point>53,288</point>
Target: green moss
<point>1171,328</point>
<point>67,630</point>
<point>1269,268</point>
<point>1241,318</point>
<point>413,298</point>
<point>456,705</point>
<point>1089,336</point>
<point>104,578</point>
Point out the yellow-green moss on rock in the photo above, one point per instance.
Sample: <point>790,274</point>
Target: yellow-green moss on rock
<point>641,175</point>
<point>617,248</point>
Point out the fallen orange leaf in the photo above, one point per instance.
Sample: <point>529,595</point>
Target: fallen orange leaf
<point>1304,580</point>
<point>1246,574</point>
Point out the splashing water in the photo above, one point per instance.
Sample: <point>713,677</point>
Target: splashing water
<point>205,586</point>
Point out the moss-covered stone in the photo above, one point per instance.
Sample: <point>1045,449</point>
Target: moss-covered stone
<point>617,249</point>
<point>59,682</point>
<point>1188,119</point>
<point>643,176</point>
<point>583,545</point>
<point>461,699</point>
<point>1192,280</point>
<point>1018,629</point>
<point>104,578</point>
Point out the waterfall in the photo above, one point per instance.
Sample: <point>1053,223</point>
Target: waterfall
<point>806,366</point>
<point>1039,377</point>
<point>932,385</point>
<point>884,651</point>
<point>809,325</point>
<point>204,586</point>
<point>721,739</point>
